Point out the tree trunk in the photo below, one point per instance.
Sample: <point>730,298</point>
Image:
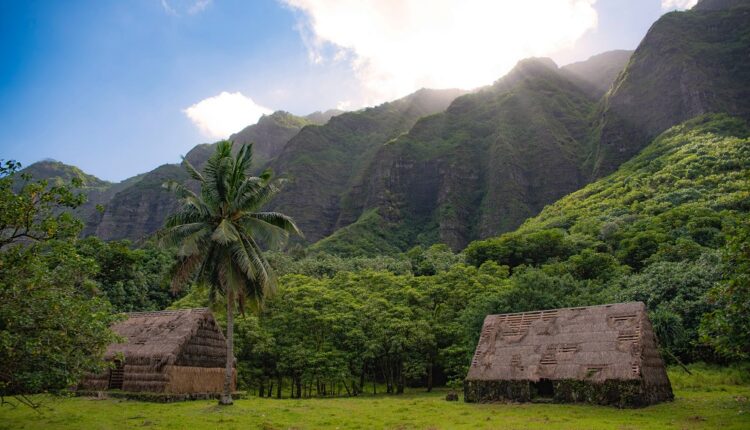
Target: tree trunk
<point>430,370</point>
<point>278,386</point>
<point>361,388</point>
<point>226,396</point>
<point>400,378</point>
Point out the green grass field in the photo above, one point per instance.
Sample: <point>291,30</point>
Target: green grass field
<point>710,399</point>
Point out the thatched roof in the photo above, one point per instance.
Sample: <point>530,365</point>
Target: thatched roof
<point>594,343</point>
<point>163,338</point>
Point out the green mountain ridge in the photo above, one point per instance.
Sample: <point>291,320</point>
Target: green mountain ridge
<point>491,160</point>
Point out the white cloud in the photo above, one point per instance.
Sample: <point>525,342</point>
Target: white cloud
<point>677,4</point>
<point>219,116</point>
<point>398,46</point>
<point>178,7</point>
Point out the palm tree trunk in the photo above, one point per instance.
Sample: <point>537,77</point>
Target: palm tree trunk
<point>226,397</point>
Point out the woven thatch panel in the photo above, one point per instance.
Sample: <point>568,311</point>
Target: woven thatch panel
<point>594,344</point>
<point>183,379</point>
<point>156,339</point>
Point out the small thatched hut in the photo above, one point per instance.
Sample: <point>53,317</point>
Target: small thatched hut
<point>597,354</point>
<point>180,351</point>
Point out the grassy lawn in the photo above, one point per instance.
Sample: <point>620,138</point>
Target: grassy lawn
<point>709,400</point>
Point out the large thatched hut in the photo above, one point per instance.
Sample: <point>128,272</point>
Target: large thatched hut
<point>180,351</point>
<point>597,354</point>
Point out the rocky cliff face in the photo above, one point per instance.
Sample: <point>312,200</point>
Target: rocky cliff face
<point>322,162</point>
<point>690,63</point>
<point>600,71</point>
<point>139,210</point>
<point>491,160</point>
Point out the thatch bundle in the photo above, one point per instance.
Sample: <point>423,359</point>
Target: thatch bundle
<point>595,344</point>
<point>180,351</point>
<point>184,379</point>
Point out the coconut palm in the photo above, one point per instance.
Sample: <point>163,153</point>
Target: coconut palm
<point>218,232</point>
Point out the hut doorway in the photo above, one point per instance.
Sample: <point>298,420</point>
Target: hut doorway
<point>543,389</point>
<point>116,376</point>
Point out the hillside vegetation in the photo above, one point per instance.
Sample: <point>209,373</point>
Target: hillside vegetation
<point>651,230</point>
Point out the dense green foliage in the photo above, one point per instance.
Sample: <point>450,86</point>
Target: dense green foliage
<point>30,210</point>
<point>132,279</point>
<point>53,327</point>
<point>347,324</point>
<point>727,328</point>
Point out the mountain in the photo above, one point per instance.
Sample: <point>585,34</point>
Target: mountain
<point>322,162</point>
<point>688,64</point>
<point>450,166</point>
<point>61,172</point>
<point>322,117</point>
<point>269,135</point>
<point>680,197</point>
<point>138,209</point>
<point>491,160</point>
<point>601,70</point>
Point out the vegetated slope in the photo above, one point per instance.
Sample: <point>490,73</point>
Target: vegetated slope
<point>322,161</point>
<point>600,70</point>
<point>675,200</point>
<point>659,230</point>
<point>97,191</point>
<point>689,63</point>
<point>491,160</point>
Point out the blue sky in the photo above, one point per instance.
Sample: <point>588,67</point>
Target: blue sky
<point>109,85</point>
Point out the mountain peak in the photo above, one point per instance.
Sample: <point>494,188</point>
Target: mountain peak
<point>535,63</point>
<point>53,169</point>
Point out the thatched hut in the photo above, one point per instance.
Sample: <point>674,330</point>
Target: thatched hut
<point>597,354</point>
<point>179,351</point>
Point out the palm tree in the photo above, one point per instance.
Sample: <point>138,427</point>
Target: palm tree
<point>218,233</point>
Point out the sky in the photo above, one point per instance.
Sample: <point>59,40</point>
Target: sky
<point>118,88</point>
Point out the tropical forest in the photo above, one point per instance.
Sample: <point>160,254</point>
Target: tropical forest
<point>511,222</point>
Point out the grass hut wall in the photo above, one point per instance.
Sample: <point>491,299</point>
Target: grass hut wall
<point>598,354</point>
<point>176,351</point>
